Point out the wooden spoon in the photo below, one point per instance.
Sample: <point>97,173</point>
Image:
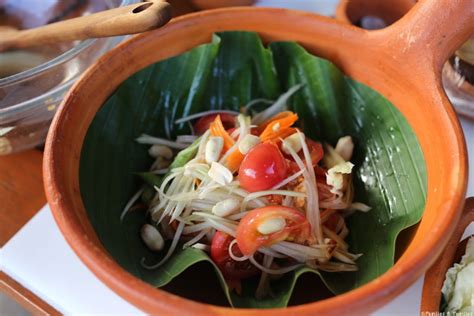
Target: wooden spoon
<point>135,18</point>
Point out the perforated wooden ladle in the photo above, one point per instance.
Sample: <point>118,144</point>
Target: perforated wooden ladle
<point>131,19</point>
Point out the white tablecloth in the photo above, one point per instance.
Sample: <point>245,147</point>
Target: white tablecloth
<point>40,259</point>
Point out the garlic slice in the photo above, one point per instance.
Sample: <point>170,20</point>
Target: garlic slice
<point>220,174</point>
<point>335,176</point>
<point>345,147</point>
<point>226,207</point>
<point>214,148</point>
<point>271,225</point>
<point>248,142</point>
<point>294,142</point>
<point>160,151</point>
<point>152,237</point>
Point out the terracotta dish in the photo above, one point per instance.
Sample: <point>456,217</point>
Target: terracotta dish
<point>403,62</point>
<point>352,11</point>
<point>435,276</point>
<point>214,4</point>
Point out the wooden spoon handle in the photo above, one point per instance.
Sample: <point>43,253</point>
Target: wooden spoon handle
<point>135,18</point>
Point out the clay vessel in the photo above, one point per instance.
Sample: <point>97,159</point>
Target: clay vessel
<point>403,62</point>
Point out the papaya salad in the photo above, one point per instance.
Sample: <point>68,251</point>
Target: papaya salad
<point>254,192</point>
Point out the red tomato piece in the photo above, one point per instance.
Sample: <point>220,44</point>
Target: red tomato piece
<point>202,124</point>
<point>263,167</point>
<point>316,151</point>
<point>332,221</point>
<point>249,239</point>
<point>230,131</point>
<point>324,190</point>
<point>231,269</point>
<point>320,172</point>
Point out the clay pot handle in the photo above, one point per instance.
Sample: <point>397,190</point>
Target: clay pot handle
<point>432,29</point>
<point>435,276</point>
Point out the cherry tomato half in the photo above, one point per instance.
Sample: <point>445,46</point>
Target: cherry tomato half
<point>263,167</point>
<point>202,124</point>
<point>231,269</point>
<point>249,239</point>
<point>316,153</point>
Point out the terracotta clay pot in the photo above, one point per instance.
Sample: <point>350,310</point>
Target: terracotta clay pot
<point>352,11</point>
<point>435,276</point>
<point>214,4</point>
<point>403,62</point>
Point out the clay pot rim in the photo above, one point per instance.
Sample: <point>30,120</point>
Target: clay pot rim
<point>213,4</point>
<point>145,296</point>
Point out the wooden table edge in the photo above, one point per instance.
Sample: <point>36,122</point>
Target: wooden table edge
<point>29,300</point>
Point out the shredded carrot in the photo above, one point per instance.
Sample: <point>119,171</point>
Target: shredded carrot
<point>276,138</point>
<point>234,160</point>
<point>284,134</point>
<point>279,128</point>
<point>279,116</point>
<point>272,130</point>
<point>217,129</point>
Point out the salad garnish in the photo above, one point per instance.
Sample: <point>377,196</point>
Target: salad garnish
<point>254,192</point>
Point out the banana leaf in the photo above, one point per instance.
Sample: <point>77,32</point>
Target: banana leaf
<point>235,68</point>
